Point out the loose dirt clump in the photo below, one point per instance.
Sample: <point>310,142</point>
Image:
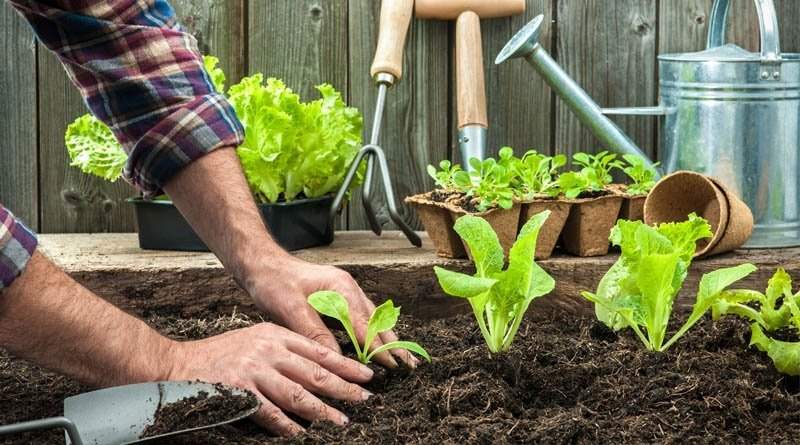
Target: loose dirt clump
<point>565,380</point>
<point>198,411</point>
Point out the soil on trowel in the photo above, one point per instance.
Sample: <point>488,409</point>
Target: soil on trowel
<point>566,380</point>
<point>199,411</point>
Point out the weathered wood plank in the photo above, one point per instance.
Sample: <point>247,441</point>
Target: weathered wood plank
<point>519,101</point>
<point>19,188</point>
<point>416,120</point>
<point>385,267</point>
<point>609,48</point>
<point>220,29</point>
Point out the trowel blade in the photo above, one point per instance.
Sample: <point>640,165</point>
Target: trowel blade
<point>119,415</point>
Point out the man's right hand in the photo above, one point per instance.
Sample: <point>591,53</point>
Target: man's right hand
<point>283,369</point>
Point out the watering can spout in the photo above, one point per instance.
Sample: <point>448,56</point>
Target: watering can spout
<point>525,44</point>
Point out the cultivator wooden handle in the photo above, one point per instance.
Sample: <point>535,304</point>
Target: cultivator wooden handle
<point>469,72</point>
<point>395,19</point>
<point>452,9</point>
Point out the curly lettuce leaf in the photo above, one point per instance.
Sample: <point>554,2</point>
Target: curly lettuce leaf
<point>94,149</point>
<point>217,75</point>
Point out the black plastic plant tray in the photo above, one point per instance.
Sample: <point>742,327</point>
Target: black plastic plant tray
<point>294,225</point>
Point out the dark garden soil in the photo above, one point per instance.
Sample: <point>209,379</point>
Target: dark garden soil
<point>200,410</point>
<point>565,380</point>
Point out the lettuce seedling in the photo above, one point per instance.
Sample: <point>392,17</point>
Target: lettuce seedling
<point>499,298</point>
<point>777,309</point>
<point>643,176</point>
<point>445,177</point>
<point>639,290</point>
<point>334,305</point>
<point>597,168</point>
<point>537,173</point>
<point>573,184</point>
<point>491,184</point>
<point>94,149</point>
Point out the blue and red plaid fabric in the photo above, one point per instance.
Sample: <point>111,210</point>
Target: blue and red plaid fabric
<point>141,74</point>
<point>17,244</point>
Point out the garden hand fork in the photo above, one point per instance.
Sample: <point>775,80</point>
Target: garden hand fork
<point>386,70</point>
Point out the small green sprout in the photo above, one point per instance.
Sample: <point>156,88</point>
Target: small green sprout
<point>537,175</point>
<point>643,176</point>
<point>445,177</point>
<point>334,305</point>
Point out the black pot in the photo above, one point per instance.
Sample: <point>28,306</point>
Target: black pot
<point>294,225</point>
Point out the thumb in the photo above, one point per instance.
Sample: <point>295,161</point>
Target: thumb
<point>310,325</point>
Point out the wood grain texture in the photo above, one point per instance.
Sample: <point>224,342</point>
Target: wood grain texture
<point>220,29</point>
<point>416,122</point>
<point>609,48</point>
<point>18,126</point>
<point>395,22</point>
<point>519,101</point>
<point>470,77</point>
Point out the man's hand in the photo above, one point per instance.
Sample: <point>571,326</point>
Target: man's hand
<point>282,294</point>
<point>283,369</point>
<point>214,197</point>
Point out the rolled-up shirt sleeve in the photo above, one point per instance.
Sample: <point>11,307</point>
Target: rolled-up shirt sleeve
<point>17,244</point>
<point>141,74</point>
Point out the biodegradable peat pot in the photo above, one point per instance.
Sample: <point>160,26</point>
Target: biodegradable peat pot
<point>632,206</point>
<point>589,225</point>
<point>682,193</point>
<point>552,228</point>
<point>294,225</point>
<point>504,222</point>
<point>438,223</point>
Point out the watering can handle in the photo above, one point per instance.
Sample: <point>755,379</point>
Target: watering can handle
<point>768,21</point>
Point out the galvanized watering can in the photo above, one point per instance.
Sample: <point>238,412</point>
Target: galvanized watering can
<point>727,113</point>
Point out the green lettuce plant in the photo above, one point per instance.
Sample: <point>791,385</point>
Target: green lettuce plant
<point>597,168</point>
<point>639,290</point>
<point>489,182</point>
<point>291,148</point>
<point>334,305</point>
<point>643,176</point>
<point>776,309</point>
<point>537,175</point>
<point>445,176</point>
<point>573,184</point>
<point>499,298</point>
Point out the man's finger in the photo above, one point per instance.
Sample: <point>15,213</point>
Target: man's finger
<point>308,323</point>
<point>319,380</point>
<point>291,396</point>
<point>406,357</point>
<point>340,365</point>
<point>273,419</point>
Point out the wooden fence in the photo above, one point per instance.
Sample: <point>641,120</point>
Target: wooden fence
<point>608,46</point>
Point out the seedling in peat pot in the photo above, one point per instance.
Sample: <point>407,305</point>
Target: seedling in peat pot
<point>490,183</point>
<point>643,176</point>
<point>640,288</point>
<point>445,177</point>
<point>499,298</point>
<point>536,174</point>
<point>334,305</point>
<point>778,309</point>
<point>594,175</point>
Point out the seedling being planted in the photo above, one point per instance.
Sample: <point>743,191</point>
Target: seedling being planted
<point>778,309</point>
<point>334,305</point>
<point>640,288</point>
<point>499,298</point>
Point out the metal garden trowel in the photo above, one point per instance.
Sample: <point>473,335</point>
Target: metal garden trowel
<point>118,416</point>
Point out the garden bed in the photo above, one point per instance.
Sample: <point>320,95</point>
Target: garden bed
<point>566,380</point>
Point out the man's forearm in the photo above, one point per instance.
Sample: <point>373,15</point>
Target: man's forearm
<point>213,195</point>
<point>48,318</point>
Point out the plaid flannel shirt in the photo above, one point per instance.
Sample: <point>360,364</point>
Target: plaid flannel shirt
<point>142,75</point>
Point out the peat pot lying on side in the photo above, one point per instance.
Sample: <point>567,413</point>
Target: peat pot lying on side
<point>294,225</point>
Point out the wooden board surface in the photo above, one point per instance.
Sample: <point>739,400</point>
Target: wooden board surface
<point>385,267</point>
<point>19,188</point>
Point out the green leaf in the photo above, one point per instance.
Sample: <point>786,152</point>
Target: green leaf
<point>383,319</point>
<point>408,345</point>
<point>655,280</point>
<point>94,149</point>
<point>785,355</point>
<point>462,286</point>
<point>487,253</point>
<point>710,291</point>
<point>334,305</point>
<point>217,75</point>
